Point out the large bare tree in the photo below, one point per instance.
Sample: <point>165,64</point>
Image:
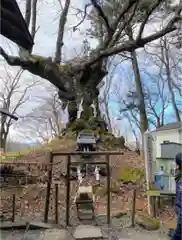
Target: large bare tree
<point>79,78</point>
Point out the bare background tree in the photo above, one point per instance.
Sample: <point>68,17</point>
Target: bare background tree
<point>168,60</point>
<point>15,92</point>
<point>46,121</point>
<point>157,100</point>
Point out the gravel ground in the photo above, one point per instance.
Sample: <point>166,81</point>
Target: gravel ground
<point>139,234</point>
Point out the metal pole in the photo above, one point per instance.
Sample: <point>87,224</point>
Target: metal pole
<point>108,191</point>
<point>49,181</point>
<point>68,190</point>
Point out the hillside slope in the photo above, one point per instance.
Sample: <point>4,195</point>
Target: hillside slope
<point>127,173</point>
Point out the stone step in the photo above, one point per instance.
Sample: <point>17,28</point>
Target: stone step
<point>56,234</point>
<point>23,224</point>
<point>88,232</point>
<point>124,239</point>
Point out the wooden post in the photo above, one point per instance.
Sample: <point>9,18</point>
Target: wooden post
<point>48,192</point>
<point>159,202</point>
<point>154,206</point>
<point>133,208</point>
<point>13,208</point>
<point>108,191</point>
<point>68,190</point>
<point>56,204</point>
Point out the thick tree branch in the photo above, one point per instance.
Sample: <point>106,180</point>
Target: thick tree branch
<point>126,46</point>
<point>118,33</point>
<point>61,29</point>
<point>124,10</point>
<point>59,76</point>
<point>148,14</point>
<point>103,16</point>
<point>129,46</point>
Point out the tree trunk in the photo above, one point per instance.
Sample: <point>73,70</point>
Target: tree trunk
<point>72,112</point>
<point>139,89</point>
<point>92,119</point>
<point>106,106</point>
<point>3,132</point>
<point>3,140</point>
<point>96,103</point>
<point>88,97</point>
<point>140,94</point>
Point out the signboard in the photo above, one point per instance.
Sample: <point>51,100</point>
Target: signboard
<point>6,156</point>
<point>148,155</point>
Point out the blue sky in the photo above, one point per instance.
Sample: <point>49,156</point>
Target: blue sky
<point>47,20</point>
<point>123,81</point>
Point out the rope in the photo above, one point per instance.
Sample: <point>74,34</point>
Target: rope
<point>76,192</point>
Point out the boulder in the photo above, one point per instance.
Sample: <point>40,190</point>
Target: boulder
<point>147,222</point>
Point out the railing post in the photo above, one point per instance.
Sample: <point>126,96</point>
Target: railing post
<point>13,207</point>
<point>108,190</point>
<point>48,192</point>
<point>56,204</point>
<point>133,208</point>
<point>68,190</point>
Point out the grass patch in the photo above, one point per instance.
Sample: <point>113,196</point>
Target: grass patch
<point>130,175</point>
<point>12,155</point>
<point>153,193</point>
<point>172,224</point>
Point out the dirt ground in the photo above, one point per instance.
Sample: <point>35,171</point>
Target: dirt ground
<point>140,234</point>
<point>125,234</point>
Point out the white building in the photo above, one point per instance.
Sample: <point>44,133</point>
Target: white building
<point>168,134</point>
<point>161,147</point>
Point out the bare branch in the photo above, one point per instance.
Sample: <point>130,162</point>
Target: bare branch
<point>28,12</point>
<point>83,19</point>
<point>124,10</point>
<point>61,28</point>
<point>46,121</point>
<point>148,14</point>
<point>61,5</point>
<point>132,45</point>
<point>123,25</point>
<point>100,12</point>
<point>34,18</point>
<point>13,97</point>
